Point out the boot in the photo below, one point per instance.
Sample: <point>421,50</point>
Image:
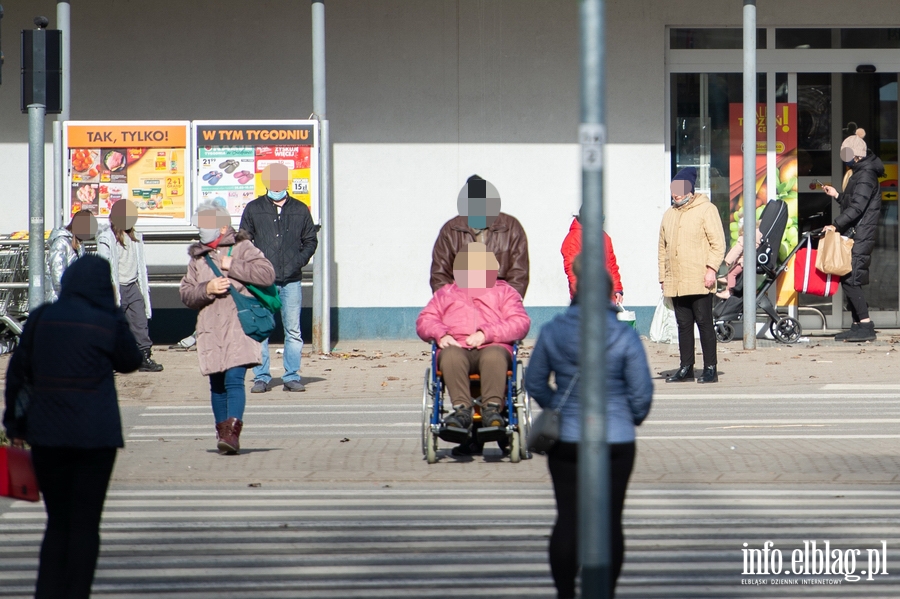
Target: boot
<point>843,336</point>
<point>148,365</point>
<point>236,426</point>
<point>865,332</point>
<point>709,375</point>
<point>221,432</point>
<point>229,443</point>
<point>685,373</point>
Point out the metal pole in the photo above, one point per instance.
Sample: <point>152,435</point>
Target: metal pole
<point>593,453</point>
<point>322,262</point>
<point>35,205</point>
<point>749,323</point>
<point>58,177</point>
<point>63,23</point>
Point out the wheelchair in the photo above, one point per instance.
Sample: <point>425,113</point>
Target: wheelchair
<point>516,413</point>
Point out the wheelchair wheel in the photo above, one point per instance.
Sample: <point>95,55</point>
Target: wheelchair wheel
<point>786,330</point>
<point>523,414</point>
<point>426,410</point>
<point>724,332</point>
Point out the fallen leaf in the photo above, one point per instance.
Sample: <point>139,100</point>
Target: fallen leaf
<point>393,378</point>
<point>344,440</point>
<point>384,384</point>
<point>255,485</point>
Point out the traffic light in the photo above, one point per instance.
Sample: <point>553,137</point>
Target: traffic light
<point>42,67</point>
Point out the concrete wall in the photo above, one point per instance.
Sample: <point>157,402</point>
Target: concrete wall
<point>421,94</point>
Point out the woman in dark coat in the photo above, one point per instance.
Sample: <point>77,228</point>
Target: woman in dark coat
<point>860,208</point>
<point>68,351</point>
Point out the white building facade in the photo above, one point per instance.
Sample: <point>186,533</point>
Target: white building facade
<point>424,93</point>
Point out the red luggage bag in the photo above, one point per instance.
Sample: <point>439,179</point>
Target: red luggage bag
<point>807,279</point>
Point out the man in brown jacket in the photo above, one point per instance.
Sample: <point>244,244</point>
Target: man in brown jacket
<point>480,220</point>
<point>691,248</point>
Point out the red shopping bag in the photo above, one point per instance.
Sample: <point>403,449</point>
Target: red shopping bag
<point>17,477</point>
<point>807,279</point>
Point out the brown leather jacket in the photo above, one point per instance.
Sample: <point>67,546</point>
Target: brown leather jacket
<point>505,237</point>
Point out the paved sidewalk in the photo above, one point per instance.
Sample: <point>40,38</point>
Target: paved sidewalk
<point>379,370</point>
<point>389,374</point>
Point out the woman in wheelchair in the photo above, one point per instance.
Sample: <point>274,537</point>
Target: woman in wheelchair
<point>474,321</point>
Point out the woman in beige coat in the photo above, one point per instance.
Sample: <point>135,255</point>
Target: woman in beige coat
<point>691,248</point>
<point>225,352</point>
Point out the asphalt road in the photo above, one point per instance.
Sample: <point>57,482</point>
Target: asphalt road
<point>331,496</point>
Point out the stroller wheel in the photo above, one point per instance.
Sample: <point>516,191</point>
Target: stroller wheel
<point>786,330</point>
<point>724,332</point>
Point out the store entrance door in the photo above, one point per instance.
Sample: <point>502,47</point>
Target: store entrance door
<point>830,107</point>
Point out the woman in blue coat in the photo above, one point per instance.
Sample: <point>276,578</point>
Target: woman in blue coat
<point>629,392</point>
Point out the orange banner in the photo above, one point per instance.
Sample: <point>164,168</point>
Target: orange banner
<point>127,136</point>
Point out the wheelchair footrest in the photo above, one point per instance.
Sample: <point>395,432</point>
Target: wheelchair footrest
<point>453,434</point>
<point>491,433</point>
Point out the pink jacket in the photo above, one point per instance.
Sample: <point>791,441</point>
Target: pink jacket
<point>498,314</point>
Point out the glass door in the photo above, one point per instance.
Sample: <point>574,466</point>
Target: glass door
<point>830,107</point>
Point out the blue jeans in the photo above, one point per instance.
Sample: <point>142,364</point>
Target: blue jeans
<point>291,300</point>
<point>228,394</point>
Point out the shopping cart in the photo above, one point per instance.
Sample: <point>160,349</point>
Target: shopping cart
<point>13,291</point>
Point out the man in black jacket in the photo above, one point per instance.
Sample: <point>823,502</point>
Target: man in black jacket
<point>282,227</point>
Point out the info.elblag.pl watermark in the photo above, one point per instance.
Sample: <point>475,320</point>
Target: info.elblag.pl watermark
<point>814,564</point>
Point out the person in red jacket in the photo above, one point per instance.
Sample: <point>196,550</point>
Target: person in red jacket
<point>571,247</point>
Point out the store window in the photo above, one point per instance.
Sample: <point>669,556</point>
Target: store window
<point>700,130</point>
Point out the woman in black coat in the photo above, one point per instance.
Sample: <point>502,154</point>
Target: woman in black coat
<point>68,352</point>
<point>860,209</point>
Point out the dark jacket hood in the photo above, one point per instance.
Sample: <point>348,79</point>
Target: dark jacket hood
<point>89,278</point>
<point>870,163</point>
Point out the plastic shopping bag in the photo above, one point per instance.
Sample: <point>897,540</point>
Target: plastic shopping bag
<point>663,328</point>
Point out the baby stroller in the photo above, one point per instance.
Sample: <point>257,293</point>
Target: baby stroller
<point>772,223</point>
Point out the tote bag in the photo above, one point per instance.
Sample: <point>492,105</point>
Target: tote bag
<point>834,256</point>
<point>17,478</point>
<point>256,320</point>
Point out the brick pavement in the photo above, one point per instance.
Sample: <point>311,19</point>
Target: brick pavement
<point>391,372</point>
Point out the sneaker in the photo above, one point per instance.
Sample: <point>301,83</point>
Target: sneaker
<point>490,416</point>
<point>259,387</point>
<point>295,386</point>
<point>457,426</point>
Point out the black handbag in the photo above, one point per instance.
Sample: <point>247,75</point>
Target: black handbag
<point>544,432</point>
<point>256,320</point>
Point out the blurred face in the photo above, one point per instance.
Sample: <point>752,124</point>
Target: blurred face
<point>84,225</point>
<point>479,202</point>
<point>681,192</point>
<point>475,269</point>
<point>123,215</point>
<point>275,177</point>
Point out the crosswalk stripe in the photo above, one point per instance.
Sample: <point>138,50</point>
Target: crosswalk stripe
<point>441,542</point>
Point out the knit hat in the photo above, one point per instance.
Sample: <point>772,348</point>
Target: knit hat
<point>855,144</point>
<point>688,175</point>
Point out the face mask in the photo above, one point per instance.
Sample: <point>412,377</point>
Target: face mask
<point>850,163</point>
<point>277,195</point>
<point>686,199</point>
